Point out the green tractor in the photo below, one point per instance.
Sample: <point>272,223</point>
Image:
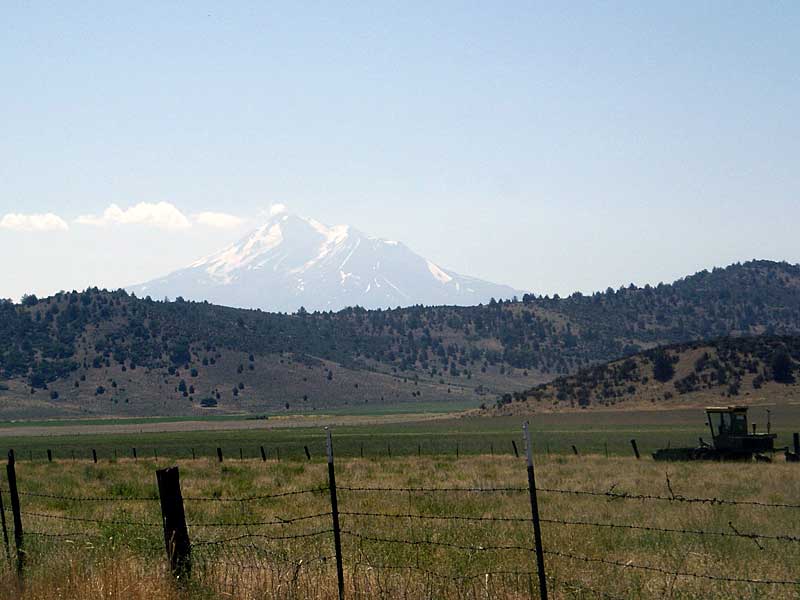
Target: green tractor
<point>730,439</point>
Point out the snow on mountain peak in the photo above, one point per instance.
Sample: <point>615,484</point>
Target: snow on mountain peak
<point>438,274</point>
<point>292,261</point>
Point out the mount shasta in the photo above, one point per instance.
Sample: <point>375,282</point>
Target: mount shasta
<point>292,261</point>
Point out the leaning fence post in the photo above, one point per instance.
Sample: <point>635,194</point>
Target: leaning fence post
<point>575,449</point>
<point>308,454</point>
<point>11,473</point>
<point>176,535</point>
<point>516,452</point>
<point>537,529</point>
<point>636,449</point>
<point>263,454</point>
<point>337,535</point>
<point>5,528</point>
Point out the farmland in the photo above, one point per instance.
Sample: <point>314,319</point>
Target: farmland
<point>94,529</point>
<point>642,530</point>
<point>593,431</point>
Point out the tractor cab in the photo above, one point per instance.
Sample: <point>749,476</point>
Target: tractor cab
<point>730,433</point>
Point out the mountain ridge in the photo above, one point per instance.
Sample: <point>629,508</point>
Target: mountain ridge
<point>291,262</point>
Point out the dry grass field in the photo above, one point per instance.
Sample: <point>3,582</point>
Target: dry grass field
<point>425,544</point>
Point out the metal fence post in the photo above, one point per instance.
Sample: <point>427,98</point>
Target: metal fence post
<point>537,529</point>
<point>11,473</point>
<point>176,535</point>
<point>337,534</point>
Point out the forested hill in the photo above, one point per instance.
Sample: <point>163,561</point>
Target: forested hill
<point>740,370</point>
<point>62,341</point>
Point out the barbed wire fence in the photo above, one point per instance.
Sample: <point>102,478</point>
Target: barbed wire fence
<point>270,547</point>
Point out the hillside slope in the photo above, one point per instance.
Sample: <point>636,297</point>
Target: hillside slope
<point>746,370</point>
<point>49,345</point>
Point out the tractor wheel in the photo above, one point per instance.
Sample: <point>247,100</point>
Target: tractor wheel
<point>702,453</point>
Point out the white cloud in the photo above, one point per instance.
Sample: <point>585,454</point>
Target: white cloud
<point>277,209</point>
<point>44,222</point>
<point>273,211</point>
<point>162,215</point>
<point>218,219</point>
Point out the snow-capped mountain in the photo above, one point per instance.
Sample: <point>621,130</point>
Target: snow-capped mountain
<point>293,261</point>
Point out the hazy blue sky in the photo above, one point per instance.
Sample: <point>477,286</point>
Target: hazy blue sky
<point>555,147</point>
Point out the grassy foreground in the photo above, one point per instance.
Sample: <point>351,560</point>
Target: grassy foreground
<point>281,547</point>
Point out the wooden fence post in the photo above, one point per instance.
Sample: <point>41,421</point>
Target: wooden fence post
<point>5,528</point>
<point>456,449</point>
<point>389,449</point>
<point>308,454</point>
<point>176,535</point>
<point>155,454</point>
<point>796,443</point>
<point>337,535</point>
<point>241,454</point>
<point>516,452</point>
<point>134,454</point>
<point>635,449</point>
<point>11,473</point>
<point>193,457</point>
<point>94,455</point>
<point>575,450</point>
<point>219,454</point>
<point>362,449</point>
<point>537,529</point>
<point>49,455</point>
<point>263,454</point>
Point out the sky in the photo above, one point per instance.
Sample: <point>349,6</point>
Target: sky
<point>555,147</point>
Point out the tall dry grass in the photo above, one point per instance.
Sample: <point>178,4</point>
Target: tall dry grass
<point>117,559</point>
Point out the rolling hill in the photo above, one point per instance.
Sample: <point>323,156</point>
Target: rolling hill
<point>64,354</point>
<point>743,370</point>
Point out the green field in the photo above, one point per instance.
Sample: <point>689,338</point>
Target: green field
<point>590,432</point>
